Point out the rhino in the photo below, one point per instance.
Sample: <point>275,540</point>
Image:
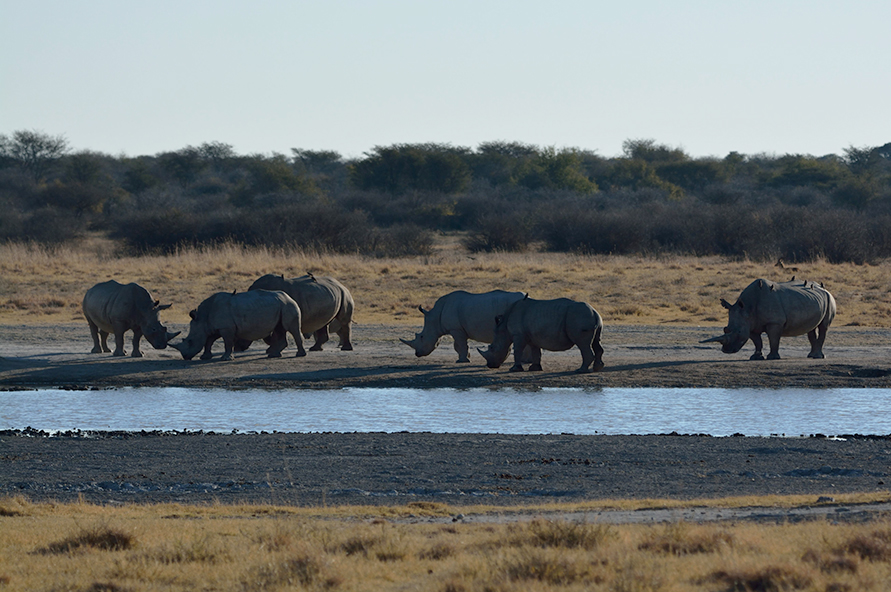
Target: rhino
<point>250,315</point>
<point>463,316</point>
<point>111,307</point>
<point>780,310</point>
<point>554,325</point>
<point>324,303</point>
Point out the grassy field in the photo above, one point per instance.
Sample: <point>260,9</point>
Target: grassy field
<point>82,547</point>
<point>40,286</point>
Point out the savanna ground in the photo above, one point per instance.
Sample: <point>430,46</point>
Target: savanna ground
<point>655,311</point>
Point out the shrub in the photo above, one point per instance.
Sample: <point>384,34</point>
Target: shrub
<point>103,538</point>
<point>496,232</point>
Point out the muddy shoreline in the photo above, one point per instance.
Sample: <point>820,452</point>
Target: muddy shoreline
<point>635,356</point>
<point>460,469</point>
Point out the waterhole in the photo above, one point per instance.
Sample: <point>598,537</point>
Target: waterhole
<point>715,411</point>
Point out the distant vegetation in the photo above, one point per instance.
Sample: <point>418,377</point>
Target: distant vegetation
<point>506,196</point>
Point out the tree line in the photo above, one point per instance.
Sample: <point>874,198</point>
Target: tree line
<point>505,196</point>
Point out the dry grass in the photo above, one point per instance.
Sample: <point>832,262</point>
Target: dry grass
<point>174,547</point>
<point>40,286</point>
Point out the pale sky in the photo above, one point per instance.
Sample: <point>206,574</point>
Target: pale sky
<point>776,76</point>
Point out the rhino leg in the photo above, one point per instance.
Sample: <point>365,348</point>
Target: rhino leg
<point>598,353</point>
<point>228,344</point>
<point>519,346</point>
<point>773,338</point>
<point>95,333</point>
<point>343,331</point>
<point>585,346</point>
<point>208,346</point>
<point>756,340</point>
<point>321,337</point>
<point>817,340</point>
<point>460,343</point>
<point>592,352</point>
<point>119,342</point>
<point>278,341</point>
<point>103,335</point>
<point>298,341</point>
<point>137,335</point>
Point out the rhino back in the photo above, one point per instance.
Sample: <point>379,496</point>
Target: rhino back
<point>320,298</point>
<point>252,315</point>
<point>805,304</point>
<point>111,302</point>
<point>474,313</point>
<point>552,324</point>
<point>799,305</point>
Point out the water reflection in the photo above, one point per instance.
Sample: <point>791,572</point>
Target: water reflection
<point>715,411</point>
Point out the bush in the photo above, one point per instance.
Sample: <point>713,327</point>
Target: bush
<point>496,232</point>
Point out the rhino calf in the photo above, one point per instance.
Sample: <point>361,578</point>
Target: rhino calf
<point>463,316</point>
<point>554,325</point>
<point>780,310</point>
<point>249,316</point>
<point>324,303</point>
<point>114,308</point>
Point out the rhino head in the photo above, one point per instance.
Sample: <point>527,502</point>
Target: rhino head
<point>193,343</point>
<point>426,341</point>
<point>738,329</point>
<point>152,329</point>
<point>498,350</point>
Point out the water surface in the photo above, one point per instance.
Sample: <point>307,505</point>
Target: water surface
<point>714,411</point>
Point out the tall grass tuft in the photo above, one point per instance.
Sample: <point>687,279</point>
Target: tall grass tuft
<point>100,537</point>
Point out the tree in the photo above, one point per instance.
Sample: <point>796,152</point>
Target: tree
<point>36,151</point>
<point>216,152</point>
<point>498,162</point>
<point>183,165</point>
<point>275,174</point>
<point>317,161</point>
<point>650,151</point>
<point>797,170</point>
<point>413,167</point>
<point>551,169</point>
<point>138,177</point>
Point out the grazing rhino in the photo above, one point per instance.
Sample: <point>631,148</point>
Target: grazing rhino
<point>554,325</point>
<point>463,316</point>
<point>116,308</point>
<point>324,303</point>
<point>780,310</point>
<point>249,315</point>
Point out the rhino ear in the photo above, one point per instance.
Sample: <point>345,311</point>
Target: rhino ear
<point>421,308</point>
<point>725,304</point>
<point>192,314</point>
<point>157,302</point>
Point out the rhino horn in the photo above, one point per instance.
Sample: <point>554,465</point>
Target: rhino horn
<point>410,344</point>
<point>719,338</point>
<point>172,335</point>
<point>176,346</point>
<point>163,306</point>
